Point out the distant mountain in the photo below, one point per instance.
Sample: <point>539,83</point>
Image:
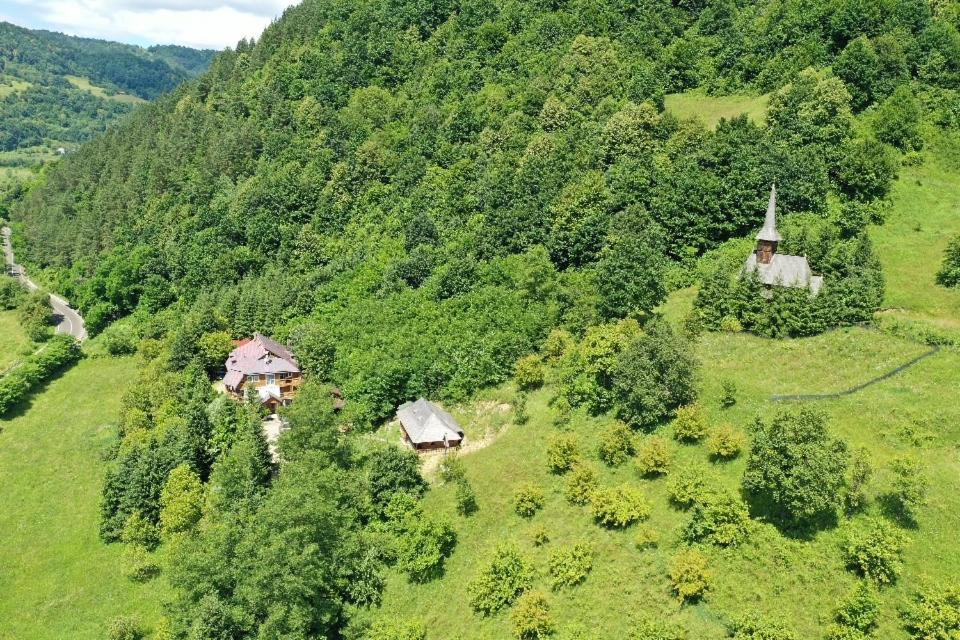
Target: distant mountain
<point>58,90</point>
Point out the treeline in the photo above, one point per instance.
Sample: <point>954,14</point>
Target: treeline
<point>59,353</point>
<point>146,73</point>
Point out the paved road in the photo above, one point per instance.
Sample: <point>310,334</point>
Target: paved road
<point>68,320</point>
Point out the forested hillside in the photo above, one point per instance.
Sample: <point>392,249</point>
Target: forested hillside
<point>57,89</point>
<point>416,196</point>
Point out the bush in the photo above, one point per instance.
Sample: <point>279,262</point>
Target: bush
<point>689,575</point>
<point>181,501</point>
<point>520,413</point>
<point>654,375</point>
<point>719,519</point>
<point>653,629</point>
<point>619,506</point>
<point>580,484</point>
<point>59,353</point>
<point>754,628</point>
<point>616,445</point>
<point>466,498</point>
<point>397,630</point>
<point>949,274</point>
<point>934,613</point>
<point>909,487</point>
<point>529,373</point>
<point>119,341</point>
<point>686,486</point>
<point>140,531</point>
<point>563,451</point>
<point>646,537</point>
<point>875,550</point>
<point>653,457</point>
<point>855,498</point>
<point>557,343</point>
<point>726,442</point>
<point>125,628</point>
<point>451,468</point>
<point>569,566</point>
<point>540,536</point>
<point>528,500</point>
<point>861,609</point>
<point>138,564</point>
<point>501,582</point>
<point>795,468</point>
<point>531,617</point>
<point>690,424</point>
<point>897,120</point>
<point>728,394</point>
<point>422,547</point>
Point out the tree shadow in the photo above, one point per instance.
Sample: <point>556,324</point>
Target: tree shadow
<point>892,507</point>
<point>762,508</point>
<point>24,404</point>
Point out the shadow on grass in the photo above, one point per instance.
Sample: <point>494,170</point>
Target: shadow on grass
<point>761,508</point>
<point>893,508</point>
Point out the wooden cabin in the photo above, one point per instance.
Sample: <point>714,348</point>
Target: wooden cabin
<point>427,427</point>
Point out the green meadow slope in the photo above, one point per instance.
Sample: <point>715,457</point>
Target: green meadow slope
<point>58,580</point>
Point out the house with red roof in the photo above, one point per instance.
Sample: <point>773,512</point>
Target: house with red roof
<point>265,366</point>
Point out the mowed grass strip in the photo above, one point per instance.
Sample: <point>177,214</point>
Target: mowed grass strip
<point>58,579</point>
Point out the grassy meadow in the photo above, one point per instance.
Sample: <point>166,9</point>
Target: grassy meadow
<point>84,84</point>
<point>58,579</point>
<point>710,109</point>
<point>13,341</point>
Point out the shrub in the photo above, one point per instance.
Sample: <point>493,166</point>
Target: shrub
<point>855,498</point>
<point>569,566</point>
<point>646,537</point>
<point>690,424</point>
<point>501,582</point>
<point>397,630</point>
<point>653,629</point>
<point>451,468</point>
<point>686,486</point>
<point>689,575</point>
<point>60,352</point>
<point>563,451</point>
<point>909,487</point>
<point>119,341</point>
<point>423,546</point>
<point>139,531</point>
<point>654,375</point>
<point>466,498</point>
<point>934,613</point>
<point>875,550</point>
<point>949,274</point>
<point>755,628</point>
<point>726,442</point>
<point>557,343</point>
<point>520,413</point>
<point>616,445</point>
<point>653,456</point>
<point>731,324</point>
<point>529,373</point>
<point>181,501</point>
<point>728,394</point>
<point>580,484</point>
<point>796,468</point>
<point>125,628</point>
<point>619,506</point>
<point>528,500</point>
<point>540,536</point>
<point>861,609</point>
<point>719,519</point>
<point>531,617</point>
<point>138,564</point>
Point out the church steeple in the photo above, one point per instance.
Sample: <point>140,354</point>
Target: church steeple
<point>769,237</point>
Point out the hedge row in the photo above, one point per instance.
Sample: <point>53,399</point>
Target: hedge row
<point>59,353</point>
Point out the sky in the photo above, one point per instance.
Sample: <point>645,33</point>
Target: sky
<point>213,24</point>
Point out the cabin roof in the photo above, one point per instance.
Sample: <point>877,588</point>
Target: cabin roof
<point>425,422</point>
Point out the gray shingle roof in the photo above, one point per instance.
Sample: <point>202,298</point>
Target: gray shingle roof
<point>785,270</point>
<point>425,422</point>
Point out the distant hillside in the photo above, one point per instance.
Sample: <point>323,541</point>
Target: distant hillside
<point>58,90</point>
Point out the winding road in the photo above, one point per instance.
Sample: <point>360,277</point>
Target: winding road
<point>68,321</point>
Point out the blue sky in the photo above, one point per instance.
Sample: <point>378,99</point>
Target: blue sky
<point>211,24</point>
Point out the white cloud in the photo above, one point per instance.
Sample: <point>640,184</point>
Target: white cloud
<point>196,23</point>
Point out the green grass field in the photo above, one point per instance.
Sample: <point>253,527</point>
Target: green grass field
<point>57,579</point>
<point>710,109</point>
<point>13,341</point>
<point>84,84</point>
<point>10,85</point>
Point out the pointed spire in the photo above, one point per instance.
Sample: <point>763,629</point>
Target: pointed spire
<point>769,231</point>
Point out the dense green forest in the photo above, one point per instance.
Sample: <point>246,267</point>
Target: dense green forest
<point>57,89</point>
<point>415,195</point>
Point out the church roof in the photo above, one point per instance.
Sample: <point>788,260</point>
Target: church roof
<point>769,231</point>
<point>786,271</point>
